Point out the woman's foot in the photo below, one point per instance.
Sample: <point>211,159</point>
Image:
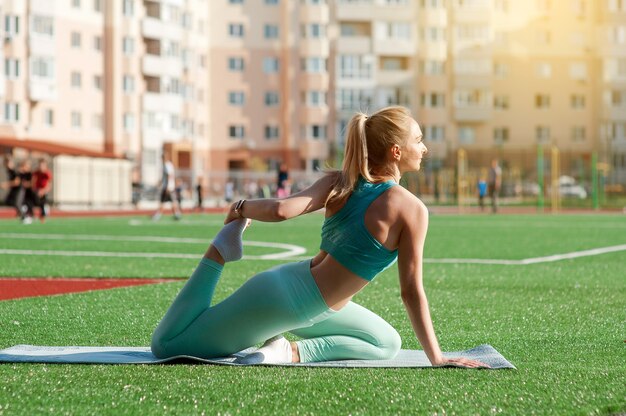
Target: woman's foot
<point>276,350</point>
<point>228,242</point>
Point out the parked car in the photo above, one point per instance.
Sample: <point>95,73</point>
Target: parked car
<point>568,188</point>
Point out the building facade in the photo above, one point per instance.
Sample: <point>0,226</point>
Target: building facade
<point>230,85</point>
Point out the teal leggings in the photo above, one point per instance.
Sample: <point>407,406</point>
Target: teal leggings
<point>282,299</point>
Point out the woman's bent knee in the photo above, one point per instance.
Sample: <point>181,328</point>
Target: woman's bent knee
<point>391,345</point>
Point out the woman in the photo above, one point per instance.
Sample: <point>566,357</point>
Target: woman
<point>370,222</point>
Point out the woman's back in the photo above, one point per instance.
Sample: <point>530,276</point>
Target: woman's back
<point>381,220</point>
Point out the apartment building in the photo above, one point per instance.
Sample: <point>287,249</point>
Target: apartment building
<point>227,85</point>
<point>122,79</point>
<point>270,84</point>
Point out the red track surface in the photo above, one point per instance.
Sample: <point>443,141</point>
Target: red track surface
<point>14,288</point>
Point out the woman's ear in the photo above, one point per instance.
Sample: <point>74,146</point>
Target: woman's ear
<point>396,152</point>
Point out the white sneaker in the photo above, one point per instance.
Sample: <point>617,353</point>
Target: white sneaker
<point>156,216</point>
<point>27,220</point>
<point>276,350</point>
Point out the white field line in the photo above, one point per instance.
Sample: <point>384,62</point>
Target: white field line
<point>291,252</point>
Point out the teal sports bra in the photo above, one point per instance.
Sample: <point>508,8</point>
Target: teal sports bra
<point>345,237</point>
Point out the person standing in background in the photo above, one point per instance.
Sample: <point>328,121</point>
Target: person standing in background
<point>29,199</point>
<point>14,197</point>
<point>494,182</point>
<point>281,181</point>
<point>42,180</point>
<point>168,186</point>
<point>199,192</point>
<point>482,191</point>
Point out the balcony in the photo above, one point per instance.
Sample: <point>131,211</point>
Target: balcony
<point>314,13</point>
<point>352,12</point>
<point>395,47</point>
<point>153,28</point>
<point>473,14</point>
<point>435,17</point>
<point>395,77</point>
<point>314,47</point>
<point>158,66</point>
<point>42,89</point>
<point>41,45</point>
<point>354,44</point>
<point>161,102</point>
<point>472,113</point>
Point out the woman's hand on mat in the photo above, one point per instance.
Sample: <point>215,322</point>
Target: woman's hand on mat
<point>461,362</point>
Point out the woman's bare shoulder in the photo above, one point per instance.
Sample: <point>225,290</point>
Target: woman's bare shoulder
<point>405,200</point>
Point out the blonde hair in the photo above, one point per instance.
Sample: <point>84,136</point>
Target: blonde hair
<point>368,138</point>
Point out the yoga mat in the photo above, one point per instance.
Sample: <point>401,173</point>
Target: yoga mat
<point>142,355</point>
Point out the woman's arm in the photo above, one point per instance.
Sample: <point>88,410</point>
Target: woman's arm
<point>273,209</point>
<point>410,260</point>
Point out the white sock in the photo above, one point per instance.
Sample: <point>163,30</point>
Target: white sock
<point>276,350</point>
<point>228,241</point>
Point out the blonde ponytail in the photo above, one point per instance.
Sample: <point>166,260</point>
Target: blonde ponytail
<point>367,140</point>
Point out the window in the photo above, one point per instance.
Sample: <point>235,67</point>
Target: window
<point>76,79</point>
<point>97,43</point>
<point>474,66</point>
<point>128,84</point>
<point>500,70</point>
<point>271,2</point>
<point>617,5</point>
<point>467,135</point>
<point>544,70</point>
<point>270,65</point>
<point>434,133</point>
<point>42,25</point>
<point>578,71</point>
<point>235,64</point>
<point>235,30</point>
<point>128,45</point>
<point>314,131</point>
<point>48,117</point>
<point>270,31</point>
<point>128,122</point>
<point>433,100</point>
<point>542,134</point>
<point>433,67</point>
<point>236,98</point>
<point>97,6</point>
<point>314,64</point>
<point>433,34</point>
<point>11,112</point>
<point>271,132</point>
<point>235,1</point>
<point>577,102</point>
<point>354,99</point>
<point>76,119</point>
<point>313,30</point>
<point>314,98</point>
<point>578,134</point>
<point>41,67</point>
<point>271,98</point>
<point>97,82</point>
<point>500,135</point>
<point>355,66</point>
<point>11,68</point>
<point>11,25</point>
<point>501,102</point>
<point>618,98</point>
<point>396,30</point>
<point>542,101</point>
<point>75,40</point>
<point>76,4</point>
<point>128,8</point>
<point>236,131</point>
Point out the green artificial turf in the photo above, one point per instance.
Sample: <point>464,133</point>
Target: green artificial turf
<point>560,323</point>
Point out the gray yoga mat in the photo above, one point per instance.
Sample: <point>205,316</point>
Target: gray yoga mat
<point>142,355</point>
